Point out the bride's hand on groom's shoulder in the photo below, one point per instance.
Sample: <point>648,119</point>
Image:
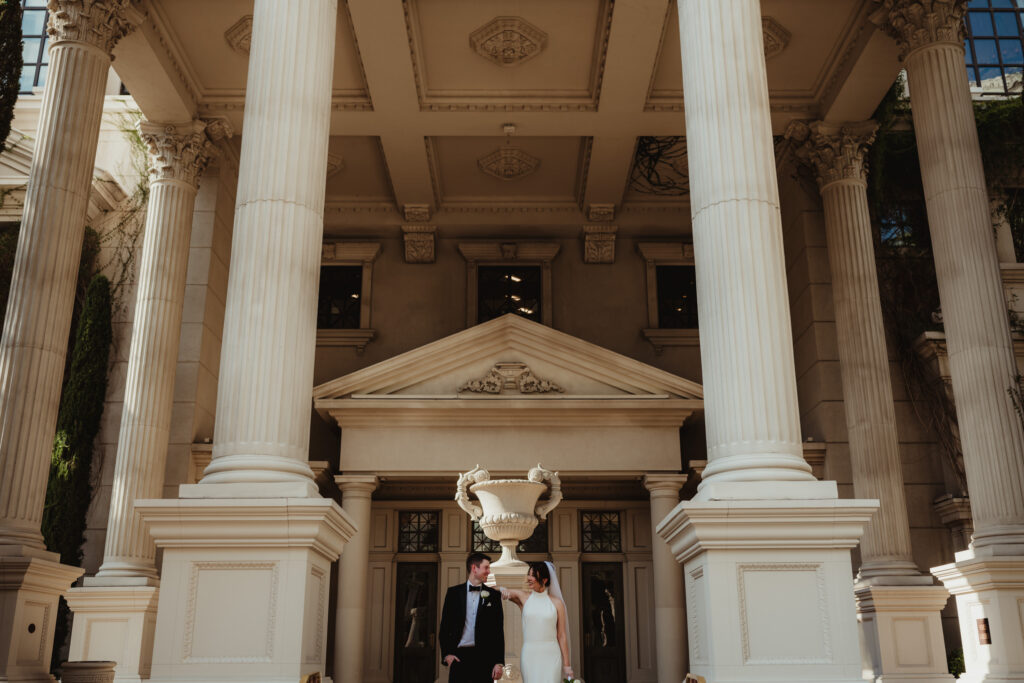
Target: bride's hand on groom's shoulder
<point>505,593</point>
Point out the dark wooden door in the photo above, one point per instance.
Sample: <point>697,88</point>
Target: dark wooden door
<point>415,622</point>
<point>604,635</point>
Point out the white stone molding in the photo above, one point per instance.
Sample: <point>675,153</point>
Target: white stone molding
<point>199,457</point>
<point>505,253</point>
<point>361,254</point>
<point>601,213</point>
<point>269,358</point>
<point>420,243</point>
<point>239,35</point>
<point>416,213</point>
<point>508,41</point>
<point>87,672</point>
<point>182,152</point>
<point>918,23</point>
<point>776,37</point>
<point>599,243</point>
<point>99,23</point>
<point>833,152</point>
<point>657,254</point>
<point>508,163</point>
<point>510,376</point>
<point>955,513</point>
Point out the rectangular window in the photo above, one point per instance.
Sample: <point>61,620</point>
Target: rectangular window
<point>509,289</point>
<point>339,299</point>
<point>677,297</point>
<point>994,49</point>
<point>601,532</point>
<point>35,44</point>
<point>418,531</point>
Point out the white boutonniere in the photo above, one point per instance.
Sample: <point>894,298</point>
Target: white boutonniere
<point>485,594</point>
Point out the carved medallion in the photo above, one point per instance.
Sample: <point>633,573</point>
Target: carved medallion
<point>776,38</point>
<point>508,163</point>
<point>508,41</point>
<point>510,376</point>
<point>239,36</point>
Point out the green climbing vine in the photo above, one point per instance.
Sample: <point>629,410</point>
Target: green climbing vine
<point>906,270</point>
<point>11,62</point>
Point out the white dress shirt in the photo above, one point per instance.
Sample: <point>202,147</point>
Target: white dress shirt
<point>472,605</point>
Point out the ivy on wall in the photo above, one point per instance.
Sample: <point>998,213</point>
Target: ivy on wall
<point>10,63</point>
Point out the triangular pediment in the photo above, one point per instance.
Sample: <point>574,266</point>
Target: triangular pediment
<point>559,362</point>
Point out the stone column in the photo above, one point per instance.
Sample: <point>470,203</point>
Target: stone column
<point>350,618</point>
<point>254,535</point>
<point>669,605</point>
<point>890,591</point>
<point>34,344</point>
<point>751,413</point>
<point>126,585</point>
<point>266,371</point>
<point>761,534</point>
<point>986,579</point>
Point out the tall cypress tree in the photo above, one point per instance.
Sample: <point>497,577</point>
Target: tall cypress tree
<point>10,63</point>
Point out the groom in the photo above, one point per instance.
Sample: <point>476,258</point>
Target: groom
<point>473,627</point>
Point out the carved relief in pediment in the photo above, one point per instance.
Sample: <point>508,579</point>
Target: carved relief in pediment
<point>511,377</point>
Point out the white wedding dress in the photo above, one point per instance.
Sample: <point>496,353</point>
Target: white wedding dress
<point>541,659</point>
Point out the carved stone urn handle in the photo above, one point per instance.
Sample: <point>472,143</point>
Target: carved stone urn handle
<point>540,475</point>
<point>467,479</point>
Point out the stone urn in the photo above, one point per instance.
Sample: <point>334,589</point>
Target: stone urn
<point>509,509</point>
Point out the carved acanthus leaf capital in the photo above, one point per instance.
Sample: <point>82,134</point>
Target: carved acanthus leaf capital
<point>917,23</point>
<point>182,152</point>
<point>97,22</point>
<point>833,152</point>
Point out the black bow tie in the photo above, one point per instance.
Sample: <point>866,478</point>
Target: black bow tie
<point>476,588</point>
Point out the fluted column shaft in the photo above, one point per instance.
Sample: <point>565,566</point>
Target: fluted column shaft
<point>981,355</point>
<point>266,372</point>
<point>669,603</point>
<point>41,299</point>
<point>178,155</point>
<point>751,412</point>
<point>350,616</point>
<point>836,154</point>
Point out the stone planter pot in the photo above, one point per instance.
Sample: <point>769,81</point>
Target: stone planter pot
<point>87,672</point>
<point>509,510</point>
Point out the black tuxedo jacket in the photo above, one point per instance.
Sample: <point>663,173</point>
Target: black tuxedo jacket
<point>490,624</point>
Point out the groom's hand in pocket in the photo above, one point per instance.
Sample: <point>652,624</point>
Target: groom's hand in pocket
<point>451,658</point>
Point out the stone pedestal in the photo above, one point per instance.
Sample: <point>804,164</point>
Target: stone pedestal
<point>989,592</point>
<point>31,582</point>
<point>87,672</point>
<point>768,587</point>
<point>901,627</point>
<point>246,586</point>
<point>115,619</point>
<point>511,576</point>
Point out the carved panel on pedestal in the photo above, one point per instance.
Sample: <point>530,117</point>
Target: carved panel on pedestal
<point>766,591</point>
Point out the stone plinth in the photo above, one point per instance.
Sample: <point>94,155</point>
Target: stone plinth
<point>115,621</point>
<point>246,585</point>
<point>768,587</point>
<point>87,672</point>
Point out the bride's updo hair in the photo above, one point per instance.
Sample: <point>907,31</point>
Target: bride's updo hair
<point>541,573</point>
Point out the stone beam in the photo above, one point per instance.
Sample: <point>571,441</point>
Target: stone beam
<point>152,76</point>
<point>860,92</point>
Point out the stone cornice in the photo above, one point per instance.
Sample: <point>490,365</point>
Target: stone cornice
<point>100,23</point>
<point>917,23</point>
<point>833,151</point>
<point>182,152</point>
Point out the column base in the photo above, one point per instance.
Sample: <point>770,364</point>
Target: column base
<point>901,631</point>
<point>115,620</point>
<point>768,587</point>
<point>244,586</point>
<point>31,583</point>
<point>511,576</point>
<point>989,591</point>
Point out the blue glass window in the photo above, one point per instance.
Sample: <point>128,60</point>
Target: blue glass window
<point>34,45</point>
<point>994,49</point>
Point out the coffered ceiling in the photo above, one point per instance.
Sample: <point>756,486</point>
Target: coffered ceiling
<point>506,113</point>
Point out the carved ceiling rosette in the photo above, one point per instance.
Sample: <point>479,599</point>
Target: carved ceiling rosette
<point>97,22</point>
<point>508,163</point>
<point>776,37</point>
<point>508,41</point>
<point>239,36</point>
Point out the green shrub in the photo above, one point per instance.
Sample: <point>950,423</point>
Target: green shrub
<point>10,63</point>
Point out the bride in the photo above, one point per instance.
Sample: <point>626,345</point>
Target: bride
<point>545,630</point>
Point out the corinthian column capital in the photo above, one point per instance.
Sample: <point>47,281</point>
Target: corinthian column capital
<point>833,151</point>
<point>917,23</point>
<point>182,152</point>
<point>100,23</point>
